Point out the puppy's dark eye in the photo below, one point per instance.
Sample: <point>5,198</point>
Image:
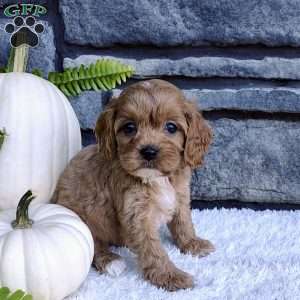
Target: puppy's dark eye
<point>171,127</point>
<point>129,128</point>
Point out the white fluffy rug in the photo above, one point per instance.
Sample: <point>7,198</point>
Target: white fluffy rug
<point>257,257</point>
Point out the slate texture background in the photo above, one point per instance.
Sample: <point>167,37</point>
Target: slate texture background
<point>239,60</point>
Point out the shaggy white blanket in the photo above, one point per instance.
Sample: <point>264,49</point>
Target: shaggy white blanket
<point>257,257</point>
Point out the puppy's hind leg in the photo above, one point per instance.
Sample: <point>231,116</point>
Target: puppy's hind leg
<point>106,261</point>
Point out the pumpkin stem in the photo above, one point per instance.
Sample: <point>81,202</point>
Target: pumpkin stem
<point>22,220</point>
<point>3,135</point>
<point>18,57</point>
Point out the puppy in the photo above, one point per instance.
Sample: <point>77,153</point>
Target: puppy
<point>137,178</point>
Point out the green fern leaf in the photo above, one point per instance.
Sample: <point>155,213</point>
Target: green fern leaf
<point>37,72</point>
<point>82,84</point>
<point>106,83</point>
<point>87,83</point>
<point>5,294</point>
<point>104,74</point>
<point>17,295</point>
<point>80,72</point>
<point>75,74</point>
<point>76,87</point>
<point>100,84</point>
<point>64,90</point>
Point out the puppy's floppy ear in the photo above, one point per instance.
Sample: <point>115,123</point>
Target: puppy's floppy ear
<point>199,136</point>
<point>104,131</point>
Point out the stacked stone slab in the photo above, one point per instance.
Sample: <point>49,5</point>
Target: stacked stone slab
<point>239,60</point>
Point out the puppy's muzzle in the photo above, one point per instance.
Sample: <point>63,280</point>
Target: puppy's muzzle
<point>149,152</point>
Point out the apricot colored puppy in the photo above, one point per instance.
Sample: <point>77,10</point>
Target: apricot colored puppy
<point>138,178</point>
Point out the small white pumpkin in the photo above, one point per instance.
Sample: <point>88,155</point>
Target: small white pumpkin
<point>42,135</point>
<point>47,255</point>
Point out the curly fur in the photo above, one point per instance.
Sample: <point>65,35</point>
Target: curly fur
<point>124,198</point>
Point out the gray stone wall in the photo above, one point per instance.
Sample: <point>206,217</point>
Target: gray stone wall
<point>239,60</point>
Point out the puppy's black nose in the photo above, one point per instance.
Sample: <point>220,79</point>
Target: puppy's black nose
<point>149,152</point>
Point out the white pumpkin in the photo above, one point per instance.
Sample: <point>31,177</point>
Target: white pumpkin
<point>43,134</point>
<point>48,254</point>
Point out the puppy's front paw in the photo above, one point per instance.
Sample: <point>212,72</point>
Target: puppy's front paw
<point>108,262</point>
<point>116,267</point>
<point>171,280</point>
<point>198,247</point>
